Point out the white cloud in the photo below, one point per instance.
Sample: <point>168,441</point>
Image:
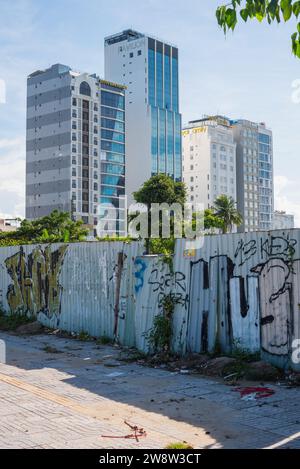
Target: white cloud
<point>287,197</point>
<point>12,177</point>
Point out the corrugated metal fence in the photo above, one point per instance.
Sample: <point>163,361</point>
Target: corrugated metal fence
<point>236,290</point>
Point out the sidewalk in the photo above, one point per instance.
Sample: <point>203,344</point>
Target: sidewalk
<point>62,393</point>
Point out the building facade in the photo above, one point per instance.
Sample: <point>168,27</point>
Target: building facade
<point>149,70</point>
<point>255,191</point>
<point>9,225</point>
<point>209,160</point>
<point>283,221</point>
<point>75,156</point>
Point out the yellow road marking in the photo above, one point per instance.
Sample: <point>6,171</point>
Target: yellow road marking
<point>50,396</point>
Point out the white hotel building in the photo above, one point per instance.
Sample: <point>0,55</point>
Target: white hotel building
<point>209,160</point>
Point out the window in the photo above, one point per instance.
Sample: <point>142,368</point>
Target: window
<point>112,113</point>
<point>74,102</point>
<point>112,99</point>
<point>139,52</point>
<point>85,89</point>
<point>131,55</point>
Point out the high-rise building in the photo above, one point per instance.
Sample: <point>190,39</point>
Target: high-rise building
<point>283,221</point>
<point>209,160</point>
<point>149,69</point>
<point>255,193</point>
<point>75,157</point>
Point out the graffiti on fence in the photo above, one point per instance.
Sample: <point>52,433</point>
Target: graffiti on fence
<point>35,284</point>
<point>222,285</point>
<point>266,248</point>
<point>141,267</point>
<point>172,283</point>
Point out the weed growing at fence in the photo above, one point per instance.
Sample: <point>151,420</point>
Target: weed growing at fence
<point>104,340</point>
<point>84,336</point>
<point>159,337</point>
<point>10,322</point>
<point>243,354</point>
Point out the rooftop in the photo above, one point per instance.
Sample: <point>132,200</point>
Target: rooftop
<point>131,35</point>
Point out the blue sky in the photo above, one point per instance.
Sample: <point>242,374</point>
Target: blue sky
<point>248,74</point>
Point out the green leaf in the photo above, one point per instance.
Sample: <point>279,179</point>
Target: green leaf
<point>286,8</point>
<point>296,9</point>
<point>259,16</point>
<point>294,43</point>
<point>231,18</point>
<point>221,13</point>
<point>273,8</point>
<point>244,14</point>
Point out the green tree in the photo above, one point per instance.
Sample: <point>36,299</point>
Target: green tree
<point>58,227</point>
<point>211,220</point>
<point>160,189</point>
<point>226,212</point>
<point>272,11</point>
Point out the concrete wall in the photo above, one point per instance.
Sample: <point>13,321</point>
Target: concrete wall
<point>237,289</point>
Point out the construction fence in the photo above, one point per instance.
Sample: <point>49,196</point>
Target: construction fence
<point>237,290</point>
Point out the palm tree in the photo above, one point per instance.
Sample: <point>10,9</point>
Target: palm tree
<point>225,210</point>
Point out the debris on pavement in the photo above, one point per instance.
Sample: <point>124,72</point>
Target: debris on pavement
<point>137,433</point>
<point>251,393</point>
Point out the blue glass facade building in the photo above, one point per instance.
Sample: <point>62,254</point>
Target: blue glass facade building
<point>164,101</point>
<point>148,68</point>
<point>112,188</point>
